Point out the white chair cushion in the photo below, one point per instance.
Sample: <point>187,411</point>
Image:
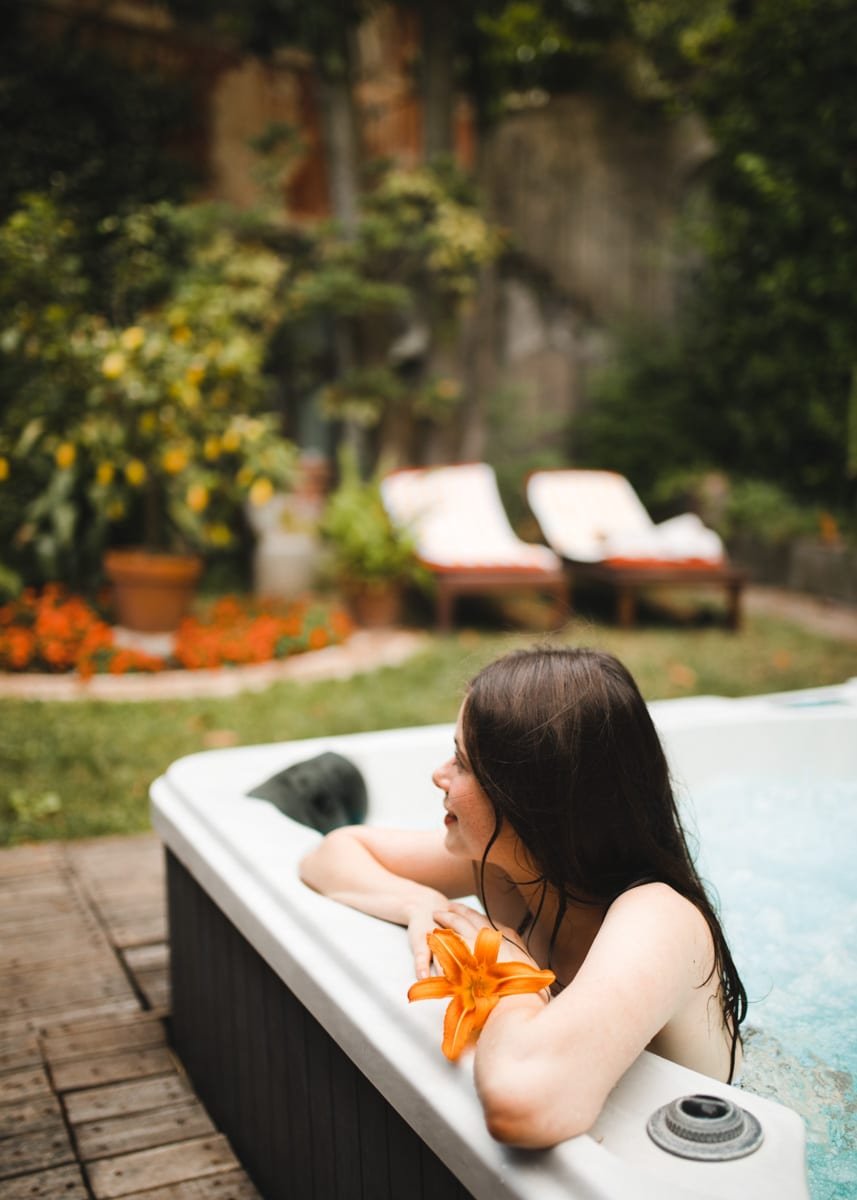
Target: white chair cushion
<point>458,521</point>
<point>596,516</point>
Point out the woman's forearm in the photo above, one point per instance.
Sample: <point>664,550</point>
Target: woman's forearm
<point>344,869</point>
<point>522,1078</point>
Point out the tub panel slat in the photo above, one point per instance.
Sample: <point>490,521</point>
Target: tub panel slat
<point>297,1089</point>
<point>404,1157</point>
<point>275,1156</point>
<point>374,1150</point>
<point>346,1110</point>
<point>304,1121</point>
<point>438,1183</point>
<point>250,1049</point>
<point>324,1149</point>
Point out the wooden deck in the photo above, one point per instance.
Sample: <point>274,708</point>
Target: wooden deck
<point>93,1103</point>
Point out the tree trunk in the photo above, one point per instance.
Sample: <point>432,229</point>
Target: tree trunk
<point>339,119</point>
<point>438,78</point>
<point>340,135</point>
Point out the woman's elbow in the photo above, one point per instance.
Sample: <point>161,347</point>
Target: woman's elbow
<point>313,868</point>
<point>518,1114</point>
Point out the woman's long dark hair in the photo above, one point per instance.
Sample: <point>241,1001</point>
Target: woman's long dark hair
<point>562,744</point>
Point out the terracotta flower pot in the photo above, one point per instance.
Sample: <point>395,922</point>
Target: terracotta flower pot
<point>375,605</point>
<point>152,591</point>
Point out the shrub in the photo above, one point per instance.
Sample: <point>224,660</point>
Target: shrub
<point>153,430</point>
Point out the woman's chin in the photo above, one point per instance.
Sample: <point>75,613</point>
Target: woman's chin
<point>452,841</point>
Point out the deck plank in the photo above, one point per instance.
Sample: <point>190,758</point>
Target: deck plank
<point>144,1030</point>
<point>231,1185</point>
<point>136,1096</point>
<point>112,1068</point>
<point>39,1112</point>
<point>93,1103</point>
<point>35,1150</point>
<point>19,1048</point>
<point>30,1083</point>
<point>162,1126</point>
<point>147,1169</point>
<point>66,1181</point>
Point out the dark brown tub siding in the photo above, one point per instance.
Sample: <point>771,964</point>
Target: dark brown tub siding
<point>303,1120</point>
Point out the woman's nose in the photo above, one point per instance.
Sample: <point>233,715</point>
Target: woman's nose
<point>440,775</point>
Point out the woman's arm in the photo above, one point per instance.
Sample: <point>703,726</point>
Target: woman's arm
<point>397,875</point>
<point>544,1071</point>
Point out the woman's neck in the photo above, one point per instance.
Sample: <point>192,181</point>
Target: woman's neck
<point>568,944</point>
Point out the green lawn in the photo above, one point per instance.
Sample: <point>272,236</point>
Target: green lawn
<point>82,769</point>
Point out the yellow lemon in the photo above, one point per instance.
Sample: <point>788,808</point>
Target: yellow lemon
<point>197,497</point>
<point>114,365</point>
<point>231,440</point>
<point>135,472</point>
<point>133,337</point>
<point>174,460</point>
<point>104,473</point>
<point>4,469</point>
<point>195,373</point>
<point>65,456</point>
<point>261,492</point>
<point>182,334</point>
<point>211,448</point>
<point>190,394</point>
<point>218,535</point>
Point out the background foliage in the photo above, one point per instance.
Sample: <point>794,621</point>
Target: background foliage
<point>756,376</point>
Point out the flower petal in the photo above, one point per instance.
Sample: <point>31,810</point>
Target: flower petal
<point>487,946</point>
<point>451,954</point>
<point>436,987</point>
<point>522,978</point>
<point>457,1027</point>
<point>484,1007</point>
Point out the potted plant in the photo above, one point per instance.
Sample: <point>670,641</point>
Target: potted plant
<point>372,559</point>
<point>162,436</point>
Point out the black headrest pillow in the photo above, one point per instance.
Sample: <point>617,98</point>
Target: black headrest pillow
<point>323,792</point>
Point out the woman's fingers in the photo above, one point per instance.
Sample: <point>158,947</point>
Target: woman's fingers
<point>461,913</point>
<point>467,922</point>
<point>418,930</point>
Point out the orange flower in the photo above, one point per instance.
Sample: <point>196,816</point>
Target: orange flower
<point>317,638</point>
<point>54,631</point>
<point>475,981</point>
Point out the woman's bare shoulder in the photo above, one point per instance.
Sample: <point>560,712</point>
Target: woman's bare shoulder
<point>667,923</point>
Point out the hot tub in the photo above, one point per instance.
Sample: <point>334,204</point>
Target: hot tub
<point>290,1011</point>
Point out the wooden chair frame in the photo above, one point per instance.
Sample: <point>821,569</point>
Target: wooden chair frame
<point>629,581</point>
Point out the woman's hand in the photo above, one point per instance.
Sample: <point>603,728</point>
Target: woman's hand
<point>421,922</point>
<point>467,922</point>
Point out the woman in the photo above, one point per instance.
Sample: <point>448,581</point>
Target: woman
<point>560,816</point>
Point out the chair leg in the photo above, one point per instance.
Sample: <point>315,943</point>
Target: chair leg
<point>443,608</point>
<point>562,606</point>
<point>626,607</point>
<point>733,605</point>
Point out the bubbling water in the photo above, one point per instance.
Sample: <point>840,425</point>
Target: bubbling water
<point>779,856</point>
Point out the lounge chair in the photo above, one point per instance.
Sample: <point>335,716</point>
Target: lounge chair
<point>597,523</point>
<point>464,538</point>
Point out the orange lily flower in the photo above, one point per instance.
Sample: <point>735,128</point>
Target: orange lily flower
<point>475,981</point>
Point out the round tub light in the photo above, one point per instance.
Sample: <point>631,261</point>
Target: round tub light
<point>705,1127</point>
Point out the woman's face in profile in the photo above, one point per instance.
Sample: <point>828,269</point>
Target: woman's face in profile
<point>469,816</point>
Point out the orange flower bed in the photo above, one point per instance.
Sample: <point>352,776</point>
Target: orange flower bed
<point>53,631</point>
